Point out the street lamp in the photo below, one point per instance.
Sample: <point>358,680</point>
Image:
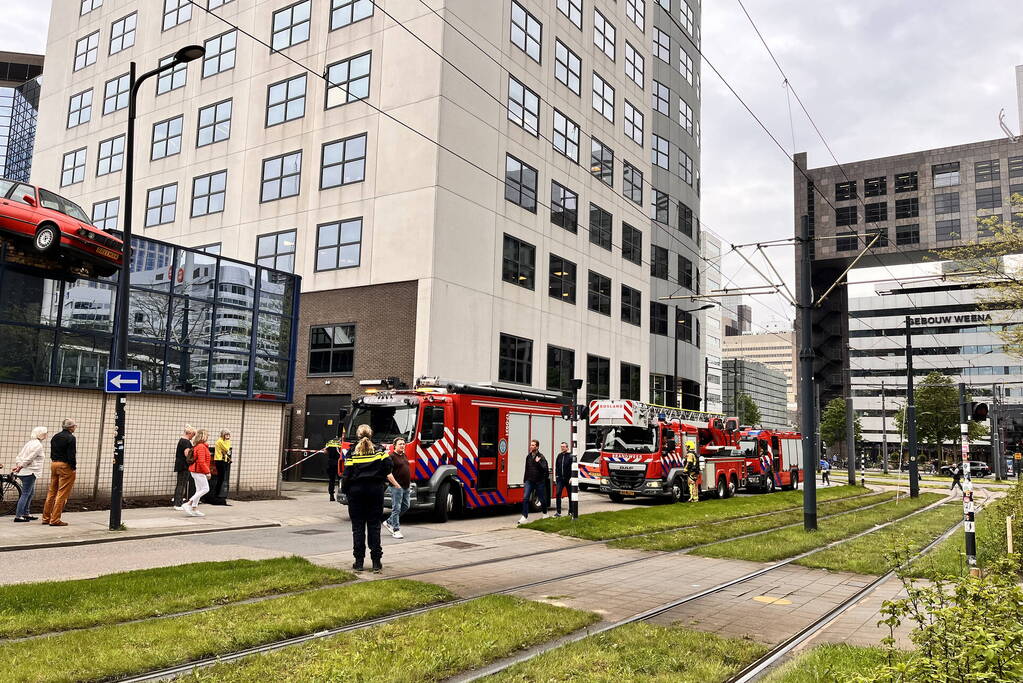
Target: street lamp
<point>674,378</point>
<point>189,53</point>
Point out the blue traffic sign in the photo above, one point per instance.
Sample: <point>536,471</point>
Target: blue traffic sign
<point>124,381</point>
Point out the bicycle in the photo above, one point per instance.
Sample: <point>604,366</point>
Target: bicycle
<point>10,492</point>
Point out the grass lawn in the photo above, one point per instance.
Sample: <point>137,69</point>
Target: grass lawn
<point>784,543</point>
<point>949,558</point>
<point>599,526</point>
<point>947,481</point>
<point>709,533</point>
<point>829,663</point>
<point>884,550</point>
<point>123,649</point>
<point>32,608</point>
<point>639,652</point>
<point>426,647</point>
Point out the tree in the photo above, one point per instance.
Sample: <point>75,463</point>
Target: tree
<point>748,412</point>
<point>833,424</point>
<point>937,413</point>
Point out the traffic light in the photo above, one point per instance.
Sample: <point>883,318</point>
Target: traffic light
<point>566,412</point>
<point>978,412</point>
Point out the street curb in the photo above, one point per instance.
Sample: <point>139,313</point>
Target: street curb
<point>141,537</point>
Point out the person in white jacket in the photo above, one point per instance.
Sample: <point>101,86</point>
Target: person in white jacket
<point>29,466</point>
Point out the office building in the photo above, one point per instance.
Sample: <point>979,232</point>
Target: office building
<point>713,327</point>
<point>776,350</point>
<point>19,103</point>
<point>766,386</point>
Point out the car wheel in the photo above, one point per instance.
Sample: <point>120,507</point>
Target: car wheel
<point>47,238</point>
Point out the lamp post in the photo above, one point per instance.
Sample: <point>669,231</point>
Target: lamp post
<point>186,54</point>
<point>674,377</point>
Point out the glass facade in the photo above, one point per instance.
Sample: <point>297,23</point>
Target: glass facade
<point>198,324</point>
<point>19,109</point>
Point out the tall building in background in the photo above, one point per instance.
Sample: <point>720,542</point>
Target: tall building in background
<point>766,386</point>
<point>20,78</point>
<point>529,247</point>
<point>713,325</point>
<point>776,350</point>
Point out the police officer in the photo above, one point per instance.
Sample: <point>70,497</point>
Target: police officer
<point>363,481</point>
<point>692,470</point>
<point>333,450</point>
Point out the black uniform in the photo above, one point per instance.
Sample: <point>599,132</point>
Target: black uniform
<point>333,450</point>
<point>562,477</point>
<point>363,482</point>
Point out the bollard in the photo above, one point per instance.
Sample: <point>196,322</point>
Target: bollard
<point>1008,533</point>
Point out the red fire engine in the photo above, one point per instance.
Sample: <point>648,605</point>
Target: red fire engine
<point>467,443</point>
<point>643,450</point>
<point>784,451</point>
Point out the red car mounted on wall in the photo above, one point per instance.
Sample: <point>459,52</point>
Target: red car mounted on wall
<point>57,230</point>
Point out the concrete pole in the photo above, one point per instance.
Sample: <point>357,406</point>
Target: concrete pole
<point>968,508</point>
<point>850,434</point>
<point>914,471</point>
<point>884,433</point>
<point>808,422</point>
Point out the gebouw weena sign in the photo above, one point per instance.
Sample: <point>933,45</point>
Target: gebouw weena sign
<point>947,319</point>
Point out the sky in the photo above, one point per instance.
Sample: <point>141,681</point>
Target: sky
<point>879,77</point>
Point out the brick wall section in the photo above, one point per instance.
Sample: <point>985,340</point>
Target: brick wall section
<point>385,335</point>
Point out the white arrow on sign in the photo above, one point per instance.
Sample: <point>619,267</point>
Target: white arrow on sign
<point>117,381</point>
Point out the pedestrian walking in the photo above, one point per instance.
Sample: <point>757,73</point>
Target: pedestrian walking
<point>362,482</point>
<point>535,479</point>
<point>562,476</point>
<point>957,478</point>
<point>184,487</point>
<point>29,467</point>
<point>691,468</point>
<point>825,472</point>
<point>333,450</point>
<point>200,470</point>
<point>63,463</point>
<point>221,470</point>
<point>400,480</point>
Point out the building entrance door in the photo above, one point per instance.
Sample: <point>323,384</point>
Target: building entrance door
<point>322,415</point>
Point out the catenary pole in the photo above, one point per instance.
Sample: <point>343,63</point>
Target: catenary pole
<point>968,508</point>
<point>884,432</point>
<point>914,471</point>
<point>996,441</point>
<point>573,484</point>
<point>850,431</point>
<point>806,398</point>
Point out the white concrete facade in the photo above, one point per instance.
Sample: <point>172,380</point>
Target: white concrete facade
<point>714,331</point>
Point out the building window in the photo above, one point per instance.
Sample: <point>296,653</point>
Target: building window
<point>526,31</point>
<point>989,197</point>
<point>348,80</point>
<point>561,280</point>
<point>281,176</point>
<point>79,109</point>
<point>86,50</point>
<point>214,123</point>
<point>338,244</point>
<point>332,350</point>
<point>600,227</point>
<point>560,369</point>
<point>632,299</point>
<point>906,182</point>
<point>685,272</point>
<point>285,100</point>
<point>633,123</point>
<point>987,171</point>
<point>630,385</point>
<point>176,12</point>
<point>847,241</point>
<point>946,231</point>
<point>685,219</point>
<point>599,294</point>
<point>160,204</point>
<point>603,98</point>
<point>634,65</point>
<point>945,175</point>
<point>845,191</point>
<point>946,203</point>
<point>907,208</point>
<point>566,136</point>
<point>115,94</point>
<point>73,168</point>
<point>122,33</point>
<point>874,213</point>
<point>686,14</point>
<point>632,183</point>
<point>685,115</point>
<point>875,187</point>
<point>290,26</point>
<point>567,67</point>
<point>220,53</point>
<point>564,207</point>
<point>662,46</point>
<point>208,193</point>
<point>573,9</point>
<point>635,11</point>
<point>658,262</point>
<point>515,360</point>
<point>661,95</point>
<point>523,106</point>
<point>519,263</point>
<point>846,215</point>
<point>345,12</point>
<point>104,214</point>
<point>685,167</point>
<point>602,162</point>
<point>685,65</point>
<point>343,162</point>
<point>660,151</point>
<point>214,248</point>
<point>111,156</point>
<point>659,207</point>
<point>882,240</point>
<point>167,138</point>
<point>598,377</point>
<point>907,234</point>
<point>632,244</point>
<point>277,251</point>
<point>604,35</point>
<point>520,183</point>
<point>172,78</point>
<point>658,318</point>
<point>89,5</point>
<point>213,4</point>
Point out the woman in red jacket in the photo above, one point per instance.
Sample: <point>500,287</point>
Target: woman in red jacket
<point>200,469</point>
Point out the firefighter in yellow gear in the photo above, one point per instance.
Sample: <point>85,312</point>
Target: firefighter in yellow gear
<point>692,471</point>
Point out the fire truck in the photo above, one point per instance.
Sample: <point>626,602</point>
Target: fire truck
<point>643,450</point>
<point>784,450</point>
<point>466,443</point>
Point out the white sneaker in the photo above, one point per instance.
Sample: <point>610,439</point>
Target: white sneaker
<point>387,525</point>
<point>179,508</point>
<point>543,515</point>
<point>192,512</point>
<point>397,534</point>
<point>522,520</point>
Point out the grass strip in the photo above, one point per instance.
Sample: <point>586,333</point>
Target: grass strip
<point>784,543</point>
<point>599,526</point>
<point>639,652</point>
<point>33,608</point>
<point>829,663</point>
<point>426,647</point>
<point>124,649</point>
<point>885,550</point>
<point>709,533</point>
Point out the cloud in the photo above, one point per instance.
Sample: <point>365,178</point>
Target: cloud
<point>23,25</point>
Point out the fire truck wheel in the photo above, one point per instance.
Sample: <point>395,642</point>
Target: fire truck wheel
<point>770,485</point>
<point>722,488</point>
<point>444,505</point>
<point>616,497</point>
<point>733,486</point>
<point>677,490</point>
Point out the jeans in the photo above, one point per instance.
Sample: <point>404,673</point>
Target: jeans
<point>202,485</point>
<point>400,502</point>
<point>559,486</point>
<point>28,487</point>
<point>826,477</point>
<point>365,509</point>
<point>183,488</point>
<point>62,480</point>
<point>541,493</point>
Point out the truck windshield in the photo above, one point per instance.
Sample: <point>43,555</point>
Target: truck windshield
<point>749,448</point>
<point>631,440</point>
<point>388,422</point>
